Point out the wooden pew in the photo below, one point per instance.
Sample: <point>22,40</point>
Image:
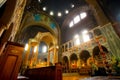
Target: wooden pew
<point>44,73</point>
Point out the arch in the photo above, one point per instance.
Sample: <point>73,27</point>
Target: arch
<point>84,55</point>
<point>96,50</point>
<point>73,61</point>
<point>65,62</point>
<point>73,57</point>
<point>30,32</point>
<point>47,38</point>
<point>40,19</point>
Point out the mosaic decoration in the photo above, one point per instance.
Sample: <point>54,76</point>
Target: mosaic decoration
<point>43,19</point>
<point>52,25</point>
<point>37,17</point>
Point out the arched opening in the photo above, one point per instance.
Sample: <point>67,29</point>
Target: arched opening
<point>30,32</point>
<point>65,63</point>
<point>84,55</point>
<point>73,61</point>
<point>96,51</point>
<point>42,54</point>
<point>101,57</point>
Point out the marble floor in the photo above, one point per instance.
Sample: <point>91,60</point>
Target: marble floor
<point>74,76</point>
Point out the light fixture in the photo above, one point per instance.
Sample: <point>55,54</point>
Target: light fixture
<point>39,1</point>
<point>66,11</point>
<point>51,13</point>
<point>57,47</point>
<point>72,5</point>
<point>76,19</point>
<point>59,14</point>
<point>44,8</point>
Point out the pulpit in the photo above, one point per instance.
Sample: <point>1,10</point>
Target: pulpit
<point>10,61</point>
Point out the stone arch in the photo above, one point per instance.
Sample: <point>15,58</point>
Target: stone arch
<point>50,55</point>
<point>65,62</point>
<point>96,50</point>
<point>84,55</point>
<point>73,60</point>
<point>73,57</point>
<point>40,19</point>
<point>47,38</point>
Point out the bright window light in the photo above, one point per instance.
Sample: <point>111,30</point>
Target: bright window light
<point>44,49</point>
<point>44,8</point>
<point>35,49</point>
<point>71,24</point>
<point>51,13</point>
<point>66,11</point>
<point>84,32</point>
<point>85,36</point>
<point>83,15</point>
<point>76,36</point>
<point>76,19</point>
<point>76,39</point>
<point>26,47</point>
<point>59,14</point>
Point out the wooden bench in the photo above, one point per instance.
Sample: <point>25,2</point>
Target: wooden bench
<point>44,73</point>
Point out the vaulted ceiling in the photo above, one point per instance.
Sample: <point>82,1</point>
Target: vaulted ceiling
<point>73,7</point>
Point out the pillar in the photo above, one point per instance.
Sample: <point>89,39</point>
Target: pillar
<point>48,58</point>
